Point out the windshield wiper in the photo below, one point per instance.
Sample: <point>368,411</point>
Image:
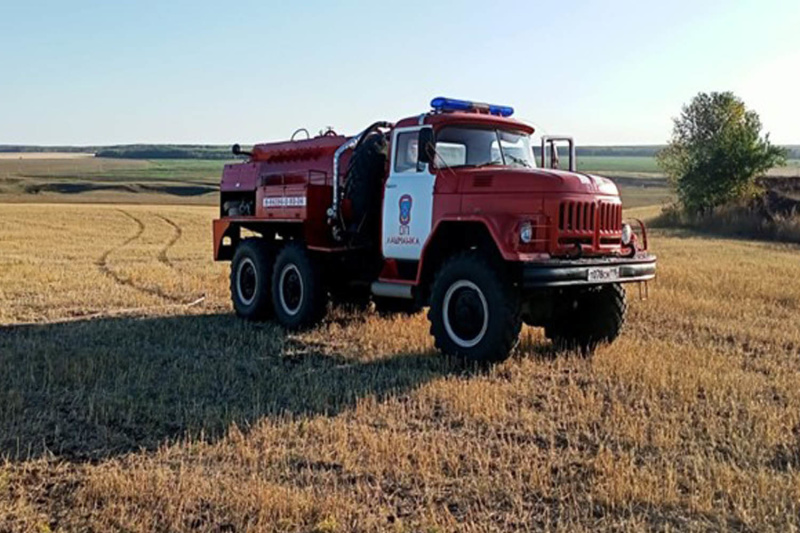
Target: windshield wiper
<point>518,160</point>
<point>480,165</point>
<point>493,163</point>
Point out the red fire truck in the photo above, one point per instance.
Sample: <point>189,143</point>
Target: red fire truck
<point>447,209</point>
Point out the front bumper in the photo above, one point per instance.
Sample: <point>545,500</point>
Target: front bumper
<point>588,271</point>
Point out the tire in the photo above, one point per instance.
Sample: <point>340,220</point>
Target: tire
<point>595,316</point>
<point>489,323</point>
<point>298,295</point>
<point>395,306</point>
<point>363,187</point>
<point>251,280</point>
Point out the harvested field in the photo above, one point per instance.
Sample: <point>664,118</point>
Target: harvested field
<point>132,400</point>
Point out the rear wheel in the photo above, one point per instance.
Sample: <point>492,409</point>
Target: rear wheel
<point>250,279</point>
<point>474,314</point>
<point>298,295</point>
<point>593,316</point>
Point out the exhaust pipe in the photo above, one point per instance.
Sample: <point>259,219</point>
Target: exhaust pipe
<point>237,150</point>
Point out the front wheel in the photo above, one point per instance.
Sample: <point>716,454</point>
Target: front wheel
<point>298,295</point>
<point>474,314</point>
<point>592,317</point>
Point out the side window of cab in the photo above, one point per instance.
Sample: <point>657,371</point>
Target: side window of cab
<point>406,152</point>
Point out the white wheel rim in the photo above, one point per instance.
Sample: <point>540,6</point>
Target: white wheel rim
<point>461,284</point>
<point>282,297</point>
<point>242,264</point>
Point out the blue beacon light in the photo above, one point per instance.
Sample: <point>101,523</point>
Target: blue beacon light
<point>441,104</point>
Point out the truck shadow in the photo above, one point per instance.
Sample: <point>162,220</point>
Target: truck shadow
<point>92,389</point>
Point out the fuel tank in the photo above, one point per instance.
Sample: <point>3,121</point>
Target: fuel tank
<point>310,155</point>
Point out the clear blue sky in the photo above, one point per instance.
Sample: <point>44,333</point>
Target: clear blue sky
<point>75,72</point>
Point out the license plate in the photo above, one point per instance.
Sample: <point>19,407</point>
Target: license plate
<point>603,274</point>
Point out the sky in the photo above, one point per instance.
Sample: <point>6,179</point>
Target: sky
<point>607,72</point>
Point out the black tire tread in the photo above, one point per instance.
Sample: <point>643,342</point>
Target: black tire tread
<point>511,316</point>
<point>317,305</point>
<point>262,252</point>
<point>599,318</point>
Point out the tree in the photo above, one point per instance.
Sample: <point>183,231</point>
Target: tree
<point>716,152</point>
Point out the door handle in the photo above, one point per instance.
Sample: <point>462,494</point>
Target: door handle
<point>391,185</point>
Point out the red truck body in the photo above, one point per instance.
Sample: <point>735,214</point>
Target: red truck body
<point>551,228</point>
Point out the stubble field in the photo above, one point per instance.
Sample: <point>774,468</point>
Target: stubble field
<point>131,399</point>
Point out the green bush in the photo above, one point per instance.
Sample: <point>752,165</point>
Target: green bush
<point>716,152</point>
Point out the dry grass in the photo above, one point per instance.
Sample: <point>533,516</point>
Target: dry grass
<point>186,419</point>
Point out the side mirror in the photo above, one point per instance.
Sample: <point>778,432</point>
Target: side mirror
<point>549,142</point>
<point>426,147</point>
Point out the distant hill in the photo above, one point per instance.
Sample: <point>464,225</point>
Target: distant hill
<point>648,150</point>
<point>619,151</point>
<point>794,151</point>
<point>134,151</point>
<point>166,151</point>
<point>216,151</point>
<point>18,148</point>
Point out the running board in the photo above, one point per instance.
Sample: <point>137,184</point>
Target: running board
<point>392,290</point>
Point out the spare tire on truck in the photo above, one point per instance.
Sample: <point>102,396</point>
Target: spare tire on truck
<point>362,188</point>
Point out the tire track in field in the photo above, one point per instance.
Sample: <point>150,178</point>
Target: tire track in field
<point>177,233</point>
<point>102,261</point>
<point>102,264</point>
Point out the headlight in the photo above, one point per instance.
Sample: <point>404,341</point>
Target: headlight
<point>526,233</point>
<point>627,234</point>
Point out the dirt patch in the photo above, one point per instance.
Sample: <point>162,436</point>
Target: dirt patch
<point>781,199</point>
<point>179,190</point>
<point>82,187</point>
<point>789,185</point>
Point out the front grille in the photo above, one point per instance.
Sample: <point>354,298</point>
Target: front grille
<point>610,217</point>
<point>576,216</point>
<point>580,220</point>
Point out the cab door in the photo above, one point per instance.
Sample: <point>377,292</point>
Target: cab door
<point>408,199</point>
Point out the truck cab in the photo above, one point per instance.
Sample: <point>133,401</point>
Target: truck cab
<point>448,209</point>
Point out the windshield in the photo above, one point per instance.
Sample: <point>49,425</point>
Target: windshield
<point>477,147</point>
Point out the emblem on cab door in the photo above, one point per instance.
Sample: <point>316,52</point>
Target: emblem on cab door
<point>405,209</point>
